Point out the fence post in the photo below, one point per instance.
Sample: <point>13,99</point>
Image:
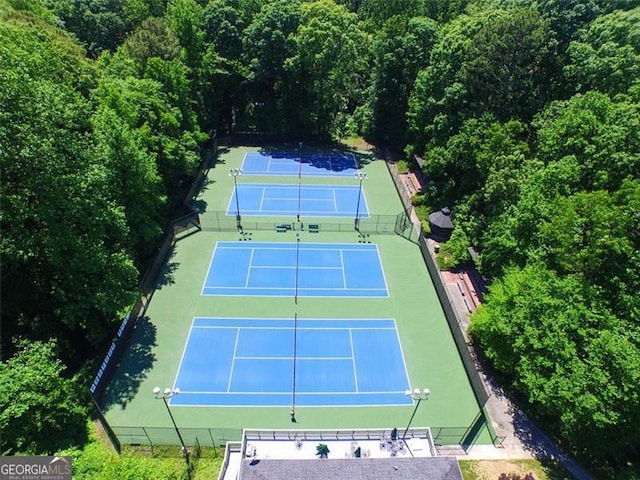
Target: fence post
<point>113,438</point>
<point>213,443</point>
<point>144,430</point>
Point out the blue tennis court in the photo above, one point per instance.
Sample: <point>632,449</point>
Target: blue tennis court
<point>305,164</point>
<point>269,269</point>
<point>313,200</point>
<point>250,362</point>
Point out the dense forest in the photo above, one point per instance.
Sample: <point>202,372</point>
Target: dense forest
<point>526,113</point>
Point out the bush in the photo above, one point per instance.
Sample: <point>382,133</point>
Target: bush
<point>455,251</point>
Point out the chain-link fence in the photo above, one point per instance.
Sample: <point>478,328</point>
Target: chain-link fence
<point>400,224</point>
<point>375,224</point>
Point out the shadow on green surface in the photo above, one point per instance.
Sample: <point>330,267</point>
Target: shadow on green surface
<point>133,368</point>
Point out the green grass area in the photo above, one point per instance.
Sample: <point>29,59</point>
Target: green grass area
<point>403,166</point>
<point>155,352</point>
<point>423,211</point>
<point>98,461</point>
<point>515,469</point>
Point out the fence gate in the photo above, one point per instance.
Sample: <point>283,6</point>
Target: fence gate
<point>404,226</point>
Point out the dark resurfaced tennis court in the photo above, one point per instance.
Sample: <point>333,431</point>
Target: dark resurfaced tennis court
<point>301,164</point>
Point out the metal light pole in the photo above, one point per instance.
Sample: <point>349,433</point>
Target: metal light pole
<point>361,176</point>
<point>168,393</point>
<point>418,395</point>
<point>235,173</point>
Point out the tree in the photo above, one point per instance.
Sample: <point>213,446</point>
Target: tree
<point>158,107</point>
<point>508,69</point>
<point>41,410</point>
<point>133,177</point>
<point>606,55</point>
<point>566,17</point>
<point>222,76</point>
<point>600,133</point>
<point>322,450</point>
<point>402,50</point>
<point>266,46</point>
<point>378,12</point>
<point>66,270</point>
<point>153,39</point>
<point>327,67</point>
<point>495,61</point>
<point>567,354</point>
<point>185,17</point>
<point>98,24</point>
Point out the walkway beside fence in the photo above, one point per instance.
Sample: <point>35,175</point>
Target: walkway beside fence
<point>515,435</point>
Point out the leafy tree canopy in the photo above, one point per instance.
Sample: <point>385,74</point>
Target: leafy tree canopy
<point>41,410</point>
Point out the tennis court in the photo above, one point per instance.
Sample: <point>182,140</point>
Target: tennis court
<point>215,289</point>
<point>295,269</point>
<point>250,362</point>
<point>304,164</point>
<point>306,200</point>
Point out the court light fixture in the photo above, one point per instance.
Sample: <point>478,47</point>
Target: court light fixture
<point>235,173</point>
<point>165,395</point>
<point>361,177</point>
<point>418,395</point>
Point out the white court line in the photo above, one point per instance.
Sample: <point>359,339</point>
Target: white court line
<point>246,282</point>
<point>353,361</point>
<point>384,392</point>
<point>404,362</point>
<point>293,266</point>
<point>229,327</point>
<point>298,357</point>
<point>288,292</point>
<point>281,267</point>
<point>328,200</point>
<point>302,288</point>
<point>384,277</point>
<point>206,275</point>
<point>184,350</point>
<point>304,213</point>
<point>335,202</point>
<point>233,360</point>
<point>262,198</point>
<point>344,276</point>
<point>226,245</point>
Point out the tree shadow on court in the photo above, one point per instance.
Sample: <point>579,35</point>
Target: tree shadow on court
<point>200,206</point>
<point>317,155</point>
<point>166,276</point>
<point>137,360</point>
<point>363,158</point>
<point>167,270</point>
<point>221,151</point>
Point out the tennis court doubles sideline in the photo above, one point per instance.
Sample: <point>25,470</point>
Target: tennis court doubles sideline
<point>250,361</point>
<point>287,269</point>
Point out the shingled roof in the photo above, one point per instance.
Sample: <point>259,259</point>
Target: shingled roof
<point>441,218</point>
<point>430,468</point>
<point>441,225</point>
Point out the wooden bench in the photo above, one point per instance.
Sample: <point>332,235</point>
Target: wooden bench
<point>284,227</point>
<point>415,183</point>
<point>314,228</point>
